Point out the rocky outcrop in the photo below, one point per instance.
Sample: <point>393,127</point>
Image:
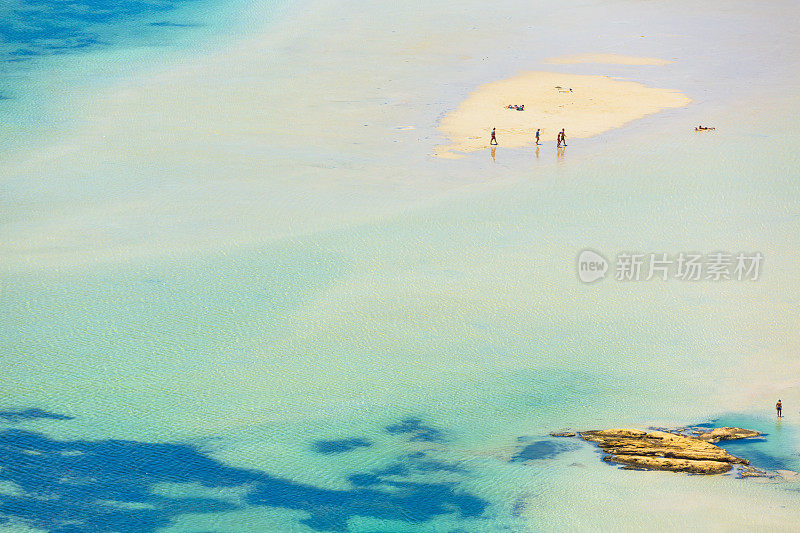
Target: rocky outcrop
<point>718,434</point>
<point>660,450</point>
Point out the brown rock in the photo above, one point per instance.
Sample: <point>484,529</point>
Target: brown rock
<point>718,434</point>
<point>659,450</point>
<point>749,471</point>
<point>673,465</point>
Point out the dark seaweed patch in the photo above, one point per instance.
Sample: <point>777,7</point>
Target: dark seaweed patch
<point>416,430</point>
<point>20,415</point>
<point>542,449</point>
<point>167,24</point>
<point>328,447</point>
<point>107,485</point>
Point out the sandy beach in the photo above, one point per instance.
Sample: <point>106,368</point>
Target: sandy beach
<point>584,105</point>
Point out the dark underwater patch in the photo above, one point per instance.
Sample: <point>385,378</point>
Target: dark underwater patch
<point>41,27</point>
<point>542,449</point>
<point>364,480</point>
<point>107,485</point>
<point>20,415</point>
<point>328,447</point>
<point>774,450</point>
<point>756,451</point>
<point>167,24</point>
<point>759,458</point>
<point>415,464</point>
<point>416,430</point>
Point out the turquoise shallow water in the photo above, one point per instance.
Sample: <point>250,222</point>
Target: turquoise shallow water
<point>52,52</point>
<point>221,325</point>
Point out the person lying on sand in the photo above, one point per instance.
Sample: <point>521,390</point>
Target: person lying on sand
<point>517,107</point>
<point>703,128</point>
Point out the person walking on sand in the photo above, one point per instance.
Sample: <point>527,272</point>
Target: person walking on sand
<point>494,137</point>
<point>563,137</point>
<point>558,140</point>
<point>537,136</point>
<point>779,408</point>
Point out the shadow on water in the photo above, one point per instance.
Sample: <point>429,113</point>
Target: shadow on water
<point>107,485</point>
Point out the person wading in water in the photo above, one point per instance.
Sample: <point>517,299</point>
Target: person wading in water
<point>779,408</point>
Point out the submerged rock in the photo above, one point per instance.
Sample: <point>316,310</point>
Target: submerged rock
<point>789,475</point>
<point>751,471</point>
<point>562,434</point>
<point>660,450</point>
<point>718,434</point>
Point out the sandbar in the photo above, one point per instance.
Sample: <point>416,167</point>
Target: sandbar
<point>584,105</point>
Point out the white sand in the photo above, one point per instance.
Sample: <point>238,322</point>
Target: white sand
<point>595,105</point>
<point>605,59</point>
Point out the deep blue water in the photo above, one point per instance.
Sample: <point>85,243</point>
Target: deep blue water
<point>33,32</point>
<point>70,486</point>
<point>33,28</point>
